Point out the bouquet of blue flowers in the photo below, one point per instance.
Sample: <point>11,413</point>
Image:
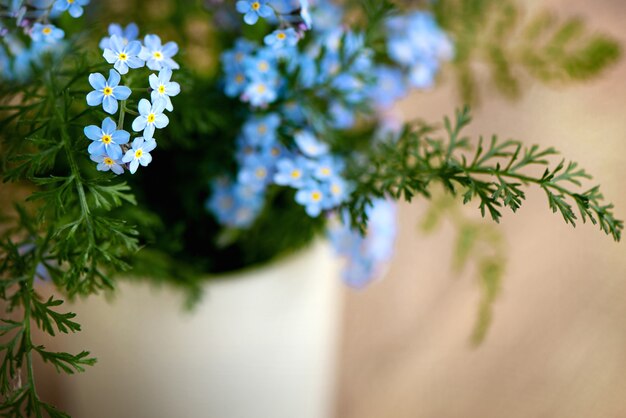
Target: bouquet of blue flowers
<point>200,137</point>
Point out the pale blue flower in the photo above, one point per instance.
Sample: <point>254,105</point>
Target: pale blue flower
<point>292,172</point>
<point>253,9</point>
<point>139,153</point>
<point>106,163</point>
<point>128,34</point>
<point>309,144</point>
<point>107,92</point>
<point>163,88</point>
<point>46,33</point>
<point>282,38</point>
<point>256,173</point>
<point>123,56</point>
<point>312,197</point>
<point>75,7</point>
<point>106,139</point>
<point>261,130</point>
<point>150,117</point>
<point>260,93</point>
<point>158,56</point>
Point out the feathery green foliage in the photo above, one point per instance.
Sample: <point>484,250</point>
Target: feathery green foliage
<point>494,173</point>
<point>497,36</point>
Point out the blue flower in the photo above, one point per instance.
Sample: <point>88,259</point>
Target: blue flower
<point>75,6</point>
<point>106,163</point>
<point>292,172</point>
<point>281,38</point>
<point>260,93</point>
<point>312,198</point>
<point>255,173</point>
<point>139,153</point>
<point>235,205</point>
<point>252,9</point>
<point>106,139</point>
<point>389,87</point>
<point>327,167</point>
<point>150,116</point>
<point>235,83</point>
<point>163,88</point>
<point>261,130</point>
<point>158,56</point>
<point>128,34</point>
<point>337,192</point>
<point>46,33</point>
<point>309,144</point>
<point>107,92</point>
<point>123,56</point>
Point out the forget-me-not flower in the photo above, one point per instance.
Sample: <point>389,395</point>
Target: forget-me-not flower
<point>261,130</point>
<point>292,172</point>
<point>253,9</point>
<point>106,163</point>
<point>309,144</point>
<point>75,7</point>
<point>106,139</point>
<point>107,92</point>
<point>128,34</point>
<point>158,56</point>
<point>123,56</point>
<point>150,116</point>
<point>260,93</point>
<point>46,33</point>
<point>311,197</point>
<point>139,153</point>
<point>281,38</point>
<point>163,88</point>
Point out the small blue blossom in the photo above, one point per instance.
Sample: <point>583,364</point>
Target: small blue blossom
<point>282,38</point>
<point>75,7</point>
<point>46,33</point>
<point>123,56</point>
<point>260,93</point>
<point>312,197</point>
<point>338,191</point>
<point>163,88</point>
<point>327,167</point>
<point>292,172</point>
<point>107,92</point>
<point>106,139</point>
<point>255,173</point>
<point>390,86</point>
<point>253,9</point>
<point>235,205</point>
<point>106,163</point>
<point>128,34</point>
<point>139,153</point>
<point>309,144</point>
<point>150,117</point>
<point>158,56</point>
<point>261,130</point>
<point>235,83</point>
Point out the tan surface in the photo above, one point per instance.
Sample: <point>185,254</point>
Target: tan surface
<point>557,347</point>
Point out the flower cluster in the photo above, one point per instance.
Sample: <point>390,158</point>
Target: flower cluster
<point>301,94</point>
<point>111,148</point>
<point>367,255</point>
<point>26,33</point>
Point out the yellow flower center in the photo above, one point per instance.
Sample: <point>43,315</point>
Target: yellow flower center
<point>256,5</point>
<point>263,66</point>
<point>151,118</point>
<point>46,31</point>
<point>296,174</point>
<point>275,152</point>
<point>335,189</point>
<point>261,88</point>
<point>239,79</point>
<point>70,1</point>
<point>107,139</point>
<point>157,55</point>
<point>108,161</point>
<point>122,56</point>
<point>107,91</point>
<point>281,36</point>
<point>326,171</point>
<point>138,153</point>
<point>316,196</point>
<point>261,173</point>
<point>262,129</point>
<point>161,89</point>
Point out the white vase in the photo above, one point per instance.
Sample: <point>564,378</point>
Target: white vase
<point>261,344</point>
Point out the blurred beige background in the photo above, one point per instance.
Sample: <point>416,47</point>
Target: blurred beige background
<point>557,346</point>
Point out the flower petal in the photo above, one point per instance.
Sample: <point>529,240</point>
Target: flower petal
<point>94,98</point>
<point>108,126</point>
<point>121,92</point>
<point>97,81</point>
<point>93,132</point>
<point>161,121</point>
<point>144,107</point>
<point>139,124</point>
<point>114,78</point>
<point>109,104</point>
